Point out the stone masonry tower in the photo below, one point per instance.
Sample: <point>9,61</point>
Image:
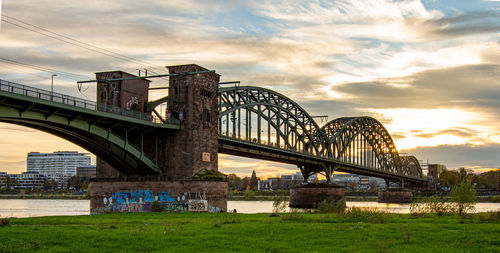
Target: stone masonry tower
<point>113,95</point>
<point>192,100</point>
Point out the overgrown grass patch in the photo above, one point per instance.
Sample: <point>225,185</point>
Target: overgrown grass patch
<point>355,230</point>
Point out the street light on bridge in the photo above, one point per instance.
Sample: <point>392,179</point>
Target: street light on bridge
<point>52,87</point>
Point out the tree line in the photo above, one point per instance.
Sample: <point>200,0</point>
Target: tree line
<point>241,184</point>
<point>487,180</point>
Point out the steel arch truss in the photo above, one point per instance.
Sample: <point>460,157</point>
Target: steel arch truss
<point>411,166</point>
<point>268,118</point>
<point>363,141</point>
<point>263,118</point>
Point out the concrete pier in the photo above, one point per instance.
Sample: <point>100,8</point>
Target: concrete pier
<point>309,195</point>
<point>395,196</point>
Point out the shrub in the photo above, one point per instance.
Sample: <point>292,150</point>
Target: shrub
<point>495,199</point>
<point>279,204</point>
<point>249,195</point>
<point>209,174</point>
<point>4,222</point>
<point>433,204</point>
<point>464,197</point>
<point>332,206</point>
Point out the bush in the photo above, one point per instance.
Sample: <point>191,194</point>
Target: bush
<point>464,197</point>
<point>157,207</point>
<point>332,206</point>
<point>249,195</point>
<point>279,204</point>
<point>433,204</point>
<point>4,222</point>
<point>495,199</point>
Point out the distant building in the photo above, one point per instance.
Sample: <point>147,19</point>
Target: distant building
<point>357,182</point>
<point>59,166</point>
<point>26,180</point>
<point>284,182</point>
<point>364,183</point>
<point>86,171</point>
<point>433,171</point>
<point>263,185</point>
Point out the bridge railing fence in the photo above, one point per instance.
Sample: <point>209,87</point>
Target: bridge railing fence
<point>46,95</point>
<point>78,102</point>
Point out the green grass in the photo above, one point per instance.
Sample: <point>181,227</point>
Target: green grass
<point>226,232</point>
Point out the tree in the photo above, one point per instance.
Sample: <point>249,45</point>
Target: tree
<point>245,182</point>
<point>253,181</point>
<point>373,185</point>
<point>449,178</point>
<point>233,181</point>
<point>464,196</point>
<point>490,179</point>
<point>11,182</point>
<point>352,185</point>
<point>50,184</point>
<point>76,182</point>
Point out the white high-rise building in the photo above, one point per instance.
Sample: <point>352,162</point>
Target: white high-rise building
<point>58,166</point>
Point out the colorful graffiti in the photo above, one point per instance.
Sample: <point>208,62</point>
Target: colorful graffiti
<point>139,196</point>
<point>198,205</point>
<point>142,201</point>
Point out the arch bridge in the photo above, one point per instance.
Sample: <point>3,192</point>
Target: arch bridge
<point>253,122</point>
<point>264,124</point>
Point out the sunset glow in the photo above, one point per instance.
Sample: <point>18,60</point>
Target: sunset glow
<point>427,70</point>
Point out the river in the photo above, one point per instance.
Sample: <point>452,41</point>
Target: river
<point>55,207</point>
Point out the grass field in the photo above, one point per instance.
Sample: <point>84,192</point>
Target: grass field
<point>227,232</point>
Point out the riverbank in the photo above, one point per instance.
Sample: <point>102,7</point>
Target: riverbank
<point>43,196</point>
<point>482,199</point>
<point>228,232</point>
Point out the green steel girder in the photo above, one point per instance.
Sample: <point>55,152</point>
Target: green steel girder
<point>76,110</point>
<point>153,104</point>
<point>97,139</point>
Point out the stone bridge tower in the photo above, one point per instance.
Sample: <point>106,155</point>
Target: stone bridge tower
<point>193,100</point>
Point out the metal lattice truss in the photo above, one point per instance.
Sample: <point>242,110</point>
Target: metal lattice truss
<point>265,118</point>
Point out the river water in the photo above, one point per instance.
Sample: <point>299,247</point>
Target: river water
<point>56,207</point>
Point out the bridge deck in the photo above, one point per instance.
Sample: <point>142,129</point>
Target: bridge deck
<point>10,92</point>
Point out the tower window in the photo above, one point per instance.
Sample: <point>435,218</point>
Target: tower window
<point>205,115</point>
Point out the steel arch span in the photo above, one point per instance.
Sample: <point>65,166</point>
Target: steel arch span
<point>265,124</point>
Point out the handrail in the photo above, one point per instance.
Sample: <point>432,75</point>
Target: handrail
<point>29,91</point>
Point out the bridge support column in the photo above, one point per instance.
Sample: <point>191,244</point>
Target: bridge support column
<point>185,158</point>
<point>329,169</point>
<point>395,195</point>
<point>310,195</point>
<point>306,172</point>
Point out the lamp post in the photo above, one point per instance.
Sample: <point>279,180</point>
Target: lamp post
<point>52,87</point>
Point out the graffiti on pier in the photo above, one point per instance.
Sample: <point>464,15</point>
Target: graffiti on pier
<point>198,205</point>
<point>141,200</point>
<point>139,196</point>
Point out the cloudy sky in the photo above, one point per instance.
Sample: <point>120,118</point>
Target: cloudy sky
<point>429,70</point>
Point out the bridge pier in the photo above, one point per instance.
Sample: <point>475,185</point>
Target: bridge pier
<point>310,195</point>
<point>185,159</point>
<point>395,195</point>
<point>139,195</point>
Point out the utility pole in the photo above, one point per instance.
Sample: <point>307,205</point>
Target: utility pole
<point>52,87</point>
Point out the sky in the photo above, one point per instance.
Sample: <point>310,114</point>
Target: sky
<point>429,70</point>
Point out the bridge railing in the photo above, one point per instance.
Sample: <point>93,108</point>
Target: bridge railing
<point>46,95</point>
<point>74,101</point>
